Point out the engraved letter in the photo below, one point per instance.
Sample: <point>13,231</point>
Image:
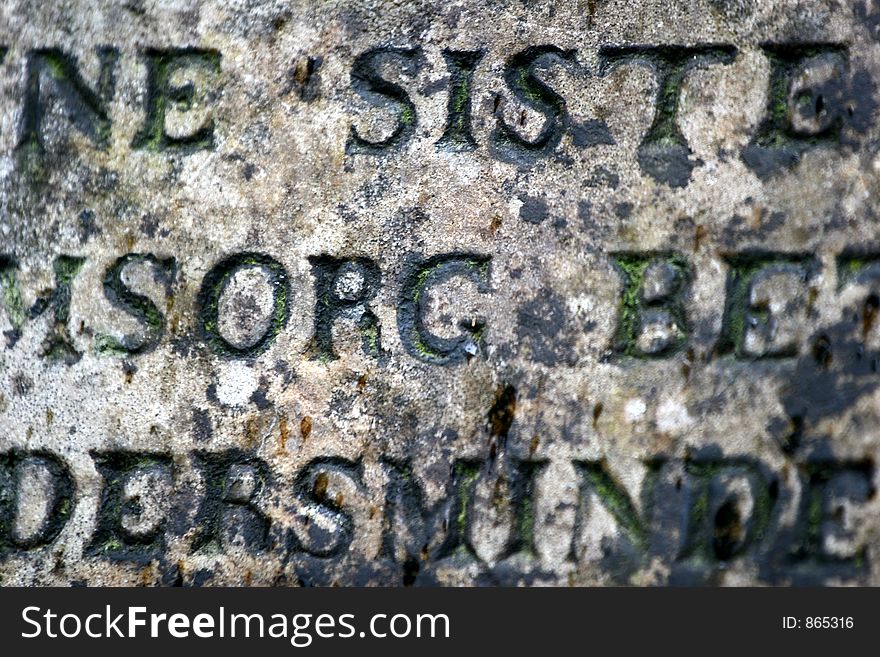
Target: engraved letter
<point>312,490</point>
<point>797,119</point>
<point>531,91</point>
<point>596,479</point>
<point>163,94</point>
<point>209,301</point>
<point>33,479</point>
<point>664,153</point>
<point>449,517</point>
<point>379,92</point>
<point>417,280</point>
<point>137,305</point>
<point>652,321</point>
<point>829,544</point>
<point>342,290</point>
<point>132,514</point>
<point>457,135</point>
<point>764,313</point>
<point>87,107</point>
<point>234,482</point>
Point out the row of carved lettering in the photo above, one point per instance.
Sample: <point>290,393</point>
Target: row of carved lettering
<point>652,318</point>
<point>693,511</point>
<point>796,118</point>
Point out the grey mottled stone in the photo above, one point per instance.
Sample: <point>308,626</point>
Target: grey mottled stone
<point>439,293</point>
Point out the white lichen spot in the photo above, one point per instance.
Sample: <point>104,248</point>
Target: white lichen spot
<point>514,206</point>
<point>467,172</point>
<point>672,416</point>
<point>634,409</point>
<point>236,383</point>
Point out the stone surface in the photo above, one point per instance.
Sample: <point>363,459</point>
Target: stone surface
<point>417,293</point>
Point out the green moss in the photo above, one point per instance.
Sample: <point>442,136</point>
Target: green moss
<point>210,299</point>
<point>527,86</point>
<point>425,352</point>
<point>279,315</point>
<point>459,103</point>
<point>107,345</point>
<point>527,522</point>
<point>12,300</point>
<point>151,137</point>
<point>859,560</point>
<point>31,161</point>
<point>66,268</point>
<point>370,333</point>
<point>469,477</point>
<point>632,267</point>
<point>664,129</point>
<point>422,280</point>
<point>738,309</point>
<point>776,131</point>
<point>814,515</point>
<point>161,66</point>
<point>850,265</point>
<point>617,502</point>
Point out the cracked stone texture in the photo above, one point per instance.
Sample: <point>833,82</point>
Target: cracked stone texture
<point>709,464</point>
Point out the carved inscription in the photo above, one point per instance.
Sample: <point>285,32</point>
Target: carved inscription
<point>766,304</point>
<point>460,301</point>
<point>696,515</point>
<point>813,98</point>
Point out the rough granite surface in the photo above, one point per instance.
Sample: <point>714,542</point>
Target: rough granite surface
<point>461,293</point>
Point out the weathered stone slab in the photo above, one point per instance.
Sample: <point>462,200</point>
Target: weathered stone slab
<point>457,293</point>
